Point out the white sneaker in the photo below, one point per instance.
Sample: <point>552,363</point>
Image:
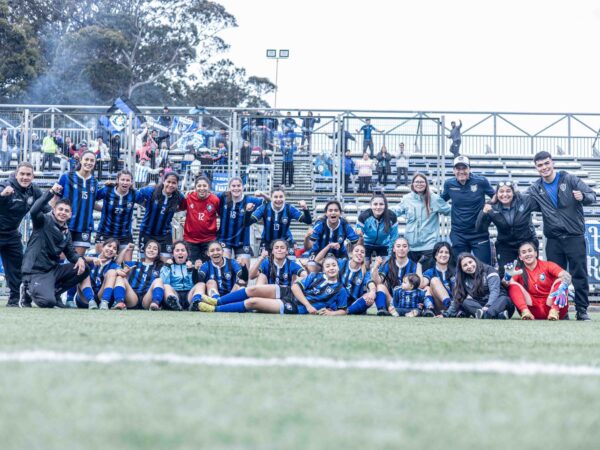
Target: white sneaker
<point>104,305</point>
<point>71,304</point>
<point>92,304</point>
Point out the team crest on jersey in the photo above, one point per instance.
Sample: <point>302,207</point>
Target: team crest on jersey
<point>473,188</point>
<point>227,276</point>
<point>563,187</point>
<point>111,203</point>
<point>328,290</point>
<point>209,208</point>
<point>542,276</point>
<point>129,205</point>
<point>155,273</point>
<point>92,189</point>
<point>85,236</point>
<point>521,208</point>
<point>284,220</point>
<point>340,239</point>
<point>29,200</point>
<point>285,276</point>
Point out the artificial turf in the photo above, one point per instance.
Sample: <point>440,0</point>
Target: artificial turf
<point>160,405</point>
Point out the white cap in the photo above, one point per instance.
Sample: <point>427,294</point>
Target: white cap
<point>461,160</point>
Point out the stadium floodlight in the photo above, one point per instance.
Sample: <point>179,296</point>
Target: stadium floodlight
<point>272,54</point>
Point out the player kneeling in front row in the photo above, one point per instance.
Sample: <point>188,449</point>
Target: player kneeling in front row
<point>138,284</point>
<point>318,293</point>
<point>539,289</point>
<point>44,278</point>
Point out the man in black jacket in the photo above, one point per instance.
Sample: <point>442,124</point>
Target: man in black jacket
<point>17,195</point>
<point>560,197</point>
<point>44,278</point>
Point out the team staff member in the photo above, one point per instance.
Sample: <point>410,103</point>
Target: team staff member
<point>560,197</point>
<point>467,192</point>
<point>200,226</point>
<point>44,278</point>
<point>17,196</point>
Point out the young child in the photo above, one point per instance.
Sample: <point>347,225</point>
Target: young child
<point>410,301</point>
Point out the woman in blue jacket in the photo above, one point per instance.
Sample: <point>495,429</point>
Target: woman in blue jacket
<point>379,228</point>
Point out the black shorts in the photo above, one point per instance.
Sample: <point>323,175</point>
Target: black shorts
<point>140,303</point>
<point>166,243</point>
<point>183,299</point>
<point>240,250</point>
<point>376,250</point>
<point>290,304</point>
<point>198,251</point>
<point>81,239</point>
<point>123,241</point>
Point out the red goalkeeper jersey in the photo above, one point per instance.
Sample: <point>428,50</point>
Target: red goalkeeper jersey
<point>201,219</point>
<point>540,279</point>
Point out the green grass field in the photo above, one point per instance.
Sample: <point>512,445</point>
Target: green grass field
<point>175,406</point>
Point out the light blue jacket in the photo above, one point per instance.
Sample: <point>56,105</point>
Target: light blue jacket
<point>422,230</point>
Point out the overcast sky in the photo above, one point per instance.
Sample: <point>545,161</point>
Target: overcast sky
<point>466,55</point>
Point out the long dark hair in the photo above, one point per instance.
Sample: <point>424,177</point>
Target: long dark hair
<point>272,269</point>
<point>393,270</point>
<point>157,261</point>
<point>426,193</point>
<point>329,203</point>
<point>158,196</point>
<point>521,264</point>
<point>460,290</point>
<point>451,263</point>
<point>387,216</point>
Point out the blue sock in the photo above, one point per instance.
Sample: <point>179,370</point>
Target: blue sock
<point>358,307</point>
<point>157,295</point>
<point>428,302</point>
<point>446,302</point>
<point>71,294</point>
<point>380,301</point>
<point>196,298</point>
<point>107,294</point>
<point>88,294</point>
<point>119,293</point>
<point>234,297</point>
<point>238,307</point>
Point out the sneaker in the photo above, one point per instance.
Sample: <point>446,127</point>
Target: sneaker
<point>104,305</point>
<point>479,314</point>
<point>461,315</point>
<point>12,304</point>
<point>553,315</point>
<point>172,301</point>
<point>526,315</point>
<point>24,297</point>
<point>121,306</point>
<point>583,316</point>
<point>428,313</point>
<point>209,300</point>
<point>205,307</point>
<point>92,304</point>
<point>70,304</point>
<point>504,315</point>
<point>154,306</point>
<point>383,312</point>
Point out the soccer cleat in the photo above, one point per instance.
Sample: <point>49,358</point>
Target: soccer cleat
<point>104,305</point>
<point>383,312</point>
<point>583,316</point>
<point>205,307</point>
<point>479,314</point>
<point>70,304</point>
<point>172,301</point>
<point>120,306</point>
<point>428,313</point>
<point>209,300</point>
<point>553,315</point>
<point>461,315</point>
<point>92,304</point>
<point>526,315</point>
<point>154,306</point>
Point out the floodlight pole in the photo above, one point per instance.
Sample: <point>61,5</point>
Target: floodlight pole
<point>276,81</point>
<point>277,55</point>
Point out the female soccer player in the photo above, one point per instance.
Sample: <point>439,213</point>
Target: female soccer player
<point>200,227</point>
<point>277,216</point>
<point>379,228</point>
<point>440,278</point>
<point>177,275</point>
<point>98,287</point>
<point>421,209</point>
<point>356,279</point>
<point>117,212</point>
<point>333,229</point>
<point>276,268</point>
<point>478,292</point>
<point>539,289</point>
<point>512,216</point>
<point>389,276</point>
<point>318,293</point>
<point>218,276</point>
<point>138,284</point>
<point>161,203</point>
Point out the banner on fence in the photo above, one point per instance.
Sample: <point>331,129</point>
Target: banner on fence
<point>592,238</point>
<point>220,181</point>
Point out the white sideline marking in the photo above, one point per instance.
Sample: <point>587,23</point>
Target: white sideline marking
<point>496,367</point>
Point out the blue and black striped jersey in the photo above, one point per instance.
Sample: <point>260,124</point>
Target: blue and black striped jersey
<point>410,299</point>
<point>82,195</point>
<point>232,230</point>
<point>225,277</point>
<point>277,223</point>
<point>323,235</point>
<point>97,274</point>
<point>142,275</point>
<point>445,277</point>
<point>117,211</point>
<point>384,271</point>
<point>322,293</point>
<point>157,219</point>
<point>355,282</point>
<point>280,275</point>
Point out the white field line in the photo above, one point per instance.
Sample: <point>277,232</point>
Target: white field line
<point>493,367</point>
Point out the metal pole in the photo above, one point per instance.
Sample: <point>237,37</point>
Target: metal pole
<point>130,142</point>
<point>569,133</point>
<point>234,157</point>
<point>276,80</point>
<point>495,134</point>
<point>26,155</point>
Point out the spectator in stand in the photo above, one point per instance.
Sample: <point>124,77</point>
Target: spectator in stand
<point>421,209</point>
<point>467,192</point>
<point>165,121</point>
<point>402,165</point>
<point>349,170</point>
<point>367,131</point>
<point>384,166</point>
<point>245,153</point>
<point>206,135</point>
<point>288,150</point>
<point>200,226</point>
<point>263,158</point>
<point>100,149</point>
<point>347,137</point>
<point>222,137</point>
<point>49,148</point>
<point>7,144</point>
<point>143,172</point>
<point>365,173</point>
<point>115,153</point>
<point>560,197</point>
<point>455,137</point>
<point>308,126</point>
<point>36,152</point>
<point>222,154</point>
<point>289,124</point>
<point>163,154</point>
